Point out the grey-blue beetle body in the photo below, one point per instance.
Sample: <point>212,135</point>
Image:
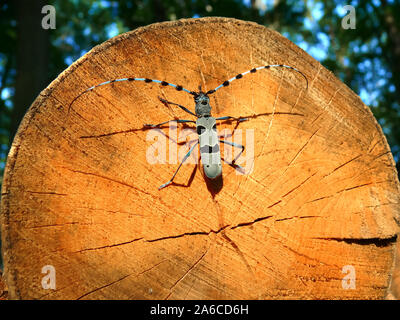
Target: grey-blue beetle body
<point>206,125</point>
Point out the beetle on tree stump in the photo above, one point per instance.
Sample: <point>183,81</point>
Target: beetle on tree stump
<point>315,217</point>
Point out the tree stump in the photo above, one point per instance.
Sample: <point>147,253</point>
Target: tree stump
<point>3,288</point>
<point>313,218</point>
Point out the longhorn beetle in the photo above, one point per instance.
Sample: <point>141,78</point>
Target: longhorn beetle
<point>206,125</point>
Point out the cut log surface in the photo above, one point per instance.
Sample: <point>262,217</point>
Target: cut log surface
<point>312,217</point>
<point>3,288</point>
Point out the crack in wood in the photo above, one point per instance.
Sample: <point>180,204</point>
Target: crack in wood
<point>54,225</point>
<point>108,178</point>
<point>109,246</point>
<point>102,287</point>
<point>346,189</point>
<point>244,224</point>
<point>194,233</point>
<point>109,134</point>
<point>299,185</point>
<point>124,277</point>
<point>378,242</point>
<point>47,192</point>
<point>296,217</point>
<point>186,273</point>
<point>342,165</point>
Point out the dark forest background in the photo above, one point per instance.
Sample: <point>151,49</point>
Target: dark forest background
<point>366,58</point>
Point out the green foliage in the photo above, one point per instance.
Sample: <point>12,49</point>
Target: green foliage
<point>366,60</point>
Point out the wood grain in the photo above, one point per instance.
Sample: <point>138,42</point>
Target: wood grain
<point>80,194</point>
<point>3,288</point>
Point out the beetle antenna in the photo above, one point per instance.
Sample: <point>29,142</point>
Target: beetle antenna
<point>146,80</point>
<point>240,75</point>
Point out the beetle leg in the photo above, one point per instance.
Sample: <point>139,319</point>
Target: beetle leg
<point>183,160</point>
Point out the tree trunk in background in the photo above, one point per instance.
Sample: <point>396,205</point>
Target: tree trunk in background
<point>159,11</point>
<point>394,37</point>
<point>32,58</point>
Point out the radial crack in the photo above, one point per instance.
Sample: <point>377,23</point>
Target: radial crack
<point>379,242</point>
<point>342,165</point>
<point>186,273</point>
<point>109,179</point>
<point>243,224</point>
<point>102,287</point>
<point>109,246</point>
<point>195,233</point>
<point>299,185</point>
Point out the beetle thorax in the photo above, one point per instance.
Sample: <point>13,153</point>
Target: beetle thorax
<point>203,108</point>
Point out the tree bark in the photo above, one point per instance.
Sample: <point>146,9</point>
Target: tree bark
<point>314,217</point>
<point>389,22</point>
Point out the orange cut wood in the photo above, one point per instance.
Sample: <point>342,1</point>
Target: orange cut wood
<point>314,217</point>
<point>3,288</point>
